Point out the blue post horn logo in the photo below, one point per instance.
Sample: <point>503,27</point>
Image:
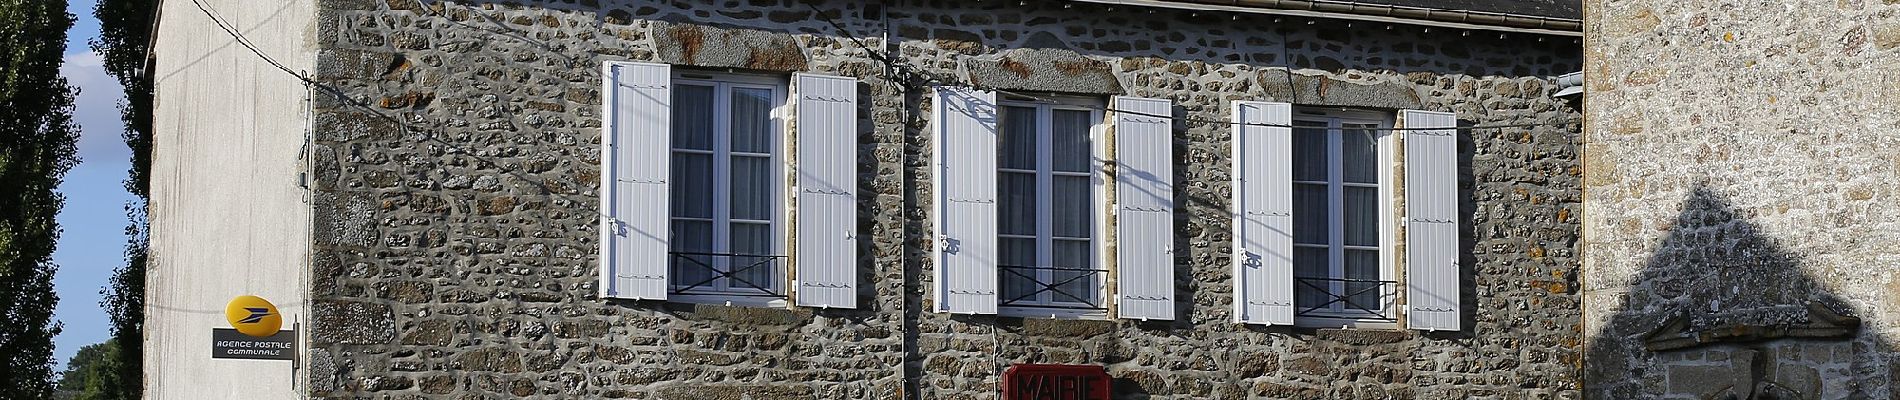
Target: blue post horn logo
<point>257,314</point>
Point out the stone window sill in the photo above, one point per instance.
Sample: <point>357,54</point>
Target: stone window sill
<point>1324,322</point>
<point>730,301</point>
<point>1051,313</point>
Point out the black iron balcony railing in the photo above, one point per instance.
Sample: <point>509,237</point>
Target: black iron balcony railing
<point>742,274</point>
<point>1344,298</point>
<point>1054,285</point>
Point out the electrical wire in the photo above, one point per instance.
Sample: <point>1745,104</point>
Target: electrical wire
<point>906,72</point>
<point>230,29</point>
<point>931,79</point>
<point>372,111</point>
<point>246,42</point>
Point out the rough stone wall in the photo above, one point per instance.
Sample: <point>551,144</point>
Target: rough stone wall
<point>457,214</point>
<point>1739,175</point>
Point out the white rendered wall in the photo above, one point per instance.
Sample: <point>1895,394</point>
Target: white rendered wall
<point>228,216</point>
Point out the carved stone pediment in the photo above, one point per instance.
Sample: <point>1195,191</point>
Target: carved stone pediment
<point>1814,321</point>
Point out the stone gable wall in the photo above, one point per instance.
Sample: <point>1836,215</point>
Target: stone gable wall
<point>1740,171</point>
<point>458,257</point>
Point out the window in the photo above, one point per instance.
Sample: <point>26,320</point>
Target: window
<point>1340,253</point>
<point>1316,238</point>
<point>1048,248</point>
<point>697,187</point>
<point>725,219</point>
<point>1021,200</point>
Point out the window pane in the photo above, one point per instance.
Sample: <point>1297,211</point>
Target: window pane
<point>692,185</point>
<point>1080,285</point>
<point>1071,140</point>
<point>1363,265</point>
<point>754,273</point>
<point>1073,202</point>
<point>1362,216</point>
<point>1016,149</point>
<point>751,188</point>
<point>1309,153</point>
<point>1018,281</point>
<point>695,237</point>
<point>693,117</point>
<point>1310,262</point>
<point>1016,208</point>
<point>1310,224</point>
<point>1359,154</point>
<point>751,120</point>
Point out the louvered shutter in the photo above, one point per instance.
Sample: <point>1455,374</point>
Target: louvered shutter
<point>1263,215</point>
<point>1431,228</point>
<point>1144,216</point>
<point>965,125</point>
<point>826,256</point>
<point>635,165</point>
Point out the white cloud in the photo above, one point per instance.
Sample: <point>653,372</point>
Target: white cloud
<point>96,110</point>
<point>87,59</point>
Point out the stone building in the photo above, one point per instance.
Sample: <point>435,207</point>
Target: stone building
<point>1738,182</point>
<point>769,199</point>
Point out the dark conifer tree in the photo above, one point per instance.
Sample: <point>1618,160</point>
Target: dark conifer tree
<point>37,148</point>
<point>124,43</point>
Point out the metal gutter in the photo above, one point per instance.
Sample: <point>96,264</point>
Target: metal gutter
<point>1352,10</point>
<point>151,44</point>
<point>1570,84</point>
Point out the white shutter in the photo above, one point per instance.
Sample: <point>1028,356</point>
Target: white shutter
<point>1144,216</point>
<point>965,125</point>
<point>1263,213</point>
<point>1431,228</point>
<point>635,165</point>
<point>826,257</point>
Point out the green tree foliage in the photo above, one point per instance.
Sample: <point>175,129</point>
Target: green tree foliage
<point>124,302</point>
<point>92,374</point>
<point>37,147</point>
<point>125,37</point>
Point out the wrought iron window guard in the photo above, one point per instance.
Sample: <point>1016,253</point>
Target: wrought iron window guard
<point>1352,288</point>
<point>738,285</point>
<point>1054,288</point>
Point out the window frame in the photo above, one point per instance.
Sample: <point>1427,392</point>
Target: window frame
<point>1388,186</point>
<point>1099,231</point>
<point>720,291</point>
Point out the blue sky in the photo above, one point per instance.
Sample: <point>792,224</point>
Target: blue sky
<point>93,241</point>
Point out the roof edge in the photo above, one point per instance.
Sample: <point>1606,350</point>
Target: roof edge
<point>1461,19</point>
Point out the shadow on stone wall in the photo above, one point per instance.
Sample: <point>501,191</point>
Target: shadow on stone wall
<point>1468,211</point>
<point>1722,311</point>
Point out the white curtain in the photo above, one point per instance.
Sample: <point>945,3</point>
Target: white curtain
<point>1073,204</point>
<point>752,191</point>
<point>1071,140</point>
<point>691,184</point>
<point>1360,164</point>
<point>1017,198</point>
<point>1360,151</point>
<point>1310,262</point>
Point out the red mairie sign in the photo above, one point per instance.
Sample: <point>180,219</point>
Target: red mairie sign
<point>1055,382</point>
